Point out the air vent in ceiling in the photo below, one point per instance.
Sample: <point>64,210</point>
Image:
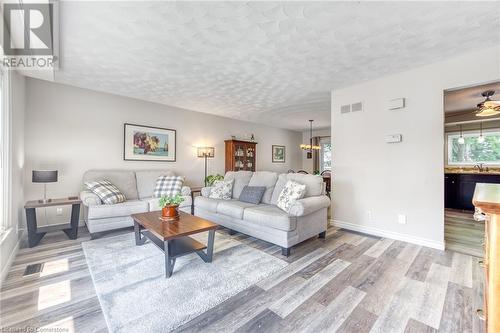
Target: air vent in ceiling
<point>355,107</point>
<point>345,108</point>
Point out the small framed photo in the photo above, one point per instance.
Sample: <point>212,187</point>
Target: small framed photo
<point>279,154</point>
<point>146,143</point>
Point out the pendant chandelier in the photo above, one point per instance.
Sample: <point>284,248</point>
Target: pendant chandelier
<point>461,139</point>
<point>310,146</point>
<point>480,139</point>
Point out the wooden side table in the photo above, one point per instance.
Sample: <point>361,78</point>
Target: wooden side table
<point>196,189</point>
<point>36,233</point>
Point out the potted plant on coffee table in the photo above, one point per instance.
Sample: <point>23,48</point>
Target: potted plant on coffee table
<point>170,207</point>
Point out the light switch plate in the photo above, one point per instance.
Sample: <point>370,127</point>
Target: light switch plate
<point>397,103</point>
<point>393,138</point>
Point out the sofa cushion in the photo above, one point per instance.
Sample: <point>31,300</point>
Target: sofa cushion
<point>241,179</point>
<point>123,179</point>
<point>168,186</point>
<point>267,179</point>
<point>207,204</point>
<point>222,189</point>
<point>252,194</point>
<point>106,191</point>
<point>233,208</point>
<point>146,181</point>
<point>280,184</point>
<point>270,216</point>
<point>153,203</point>
<point>314,184</point>
<point>121,209</point>
<point>290,193</point>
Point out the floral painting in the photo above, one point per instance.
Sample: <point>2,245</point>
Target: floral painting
<point>150,143</point>
<point>278,154</point>
<point>146,143</point>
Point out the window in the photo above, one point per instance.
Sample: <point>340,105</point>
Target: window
<point>472,151</point>
<point>325,154</point>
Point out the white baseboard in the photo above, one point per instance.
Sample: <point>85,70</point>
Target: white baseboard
<point>10,260</point>
<point>389,234</point>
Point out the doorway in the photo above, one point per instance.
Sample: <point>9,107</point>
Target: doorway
<point>471,156</point>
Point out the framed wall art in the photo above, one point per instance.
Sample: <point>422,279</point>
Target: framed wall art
<point>279,154</point>
<point>147,143</point>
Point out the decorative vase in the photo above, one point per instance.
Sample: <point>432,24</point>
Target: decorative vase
<point>170,213</point>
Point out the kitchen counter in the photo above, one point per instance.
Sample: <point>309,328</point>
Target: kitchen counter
<point>472,171</point>
<point>487,198</point>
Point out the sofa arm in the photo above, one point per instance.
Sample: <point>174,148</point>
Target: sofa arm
<point>205,191</point>
<point>186,191</point>
<point>309,205</point>
<point>90,199</point>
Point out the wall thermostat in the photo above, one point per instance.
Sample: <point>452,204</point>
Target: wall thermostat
<point>393,138</point>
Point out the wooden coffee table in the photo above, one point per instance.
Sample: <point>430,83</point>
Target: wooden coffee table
<point>172,237</point>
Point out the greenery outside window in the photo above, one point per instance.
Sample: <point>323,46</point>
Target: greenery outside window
<point>473,151</point>
<point>325,154</point>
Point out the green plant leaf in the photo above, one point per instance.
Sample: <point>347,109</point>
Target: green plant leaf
<point>170,200</point>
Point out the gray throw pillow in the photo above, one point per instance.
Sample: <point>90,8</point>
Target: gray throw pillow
<point>252,194</point>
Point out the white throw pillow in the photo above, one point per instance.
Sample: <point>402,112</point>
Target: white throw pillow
<point>290,193</point>
<point>222,189</point>
<point>168,186</point>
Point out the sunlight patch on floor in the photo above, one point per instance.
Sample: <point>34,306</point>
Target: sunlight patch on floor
<point>53,267</point>
<point>54,294</point>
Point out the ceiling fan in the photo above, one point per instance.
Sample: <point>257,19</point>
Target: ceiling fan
<point>488,107</point>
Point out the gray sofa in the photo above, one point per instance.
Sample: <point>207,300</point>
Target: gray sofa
<point>307,217</point>
<point>137,186</point>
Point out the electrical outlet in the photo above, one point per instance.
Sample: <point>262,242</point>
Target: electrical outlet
<point>369,215</point>
<point>59,211</point>
<point>401,218</point>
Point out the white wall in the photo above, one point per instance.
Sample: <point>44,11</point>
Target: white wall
<point>72,130</point>
<point>9,244</point>
<point>404,178</point>
<point>307,164</point>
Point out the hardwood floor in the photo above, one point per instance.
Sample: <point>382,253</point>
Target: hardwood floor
<point>348,282</point>
<point>462,233</point>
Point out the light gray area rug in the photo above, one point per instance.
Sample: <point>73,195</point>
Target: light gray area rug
<point>135,296</point>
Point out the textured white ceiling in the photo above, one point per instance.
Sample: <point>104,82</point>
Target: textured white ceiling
<point>267,62</point>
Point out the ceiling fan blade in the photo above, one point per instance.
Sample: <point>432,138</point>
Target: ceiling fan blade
<point>491,104</point>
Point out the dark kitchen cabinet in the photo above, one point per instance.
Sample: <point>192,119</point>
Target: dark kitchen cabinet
<point>459,188</point>
<point>450,191</point>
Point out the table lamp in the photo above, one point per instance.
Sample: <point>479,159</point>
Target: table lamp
<point>206,152</point>
<point>44,176</point>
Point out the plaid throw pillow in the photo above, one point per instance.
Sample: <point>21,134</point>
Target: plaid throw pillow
<point>168,186</point>
<point>106,191</point>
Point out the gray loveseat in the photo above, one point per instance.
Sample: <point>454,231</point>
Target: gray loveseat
<point>307,217</point>
<point>137,186</point>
